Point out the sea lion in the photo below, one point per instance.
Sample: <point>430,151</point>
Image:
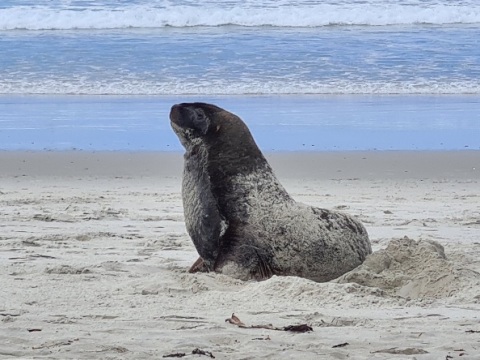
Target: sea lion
<point>242,221</point>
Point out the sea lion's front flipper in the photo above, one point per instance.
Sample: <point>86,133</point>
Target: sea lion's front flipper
<point>199,266</point>
<point>202,218</point>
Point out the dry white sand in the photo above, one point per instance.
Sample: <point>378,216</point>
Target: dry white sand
<point>94,256</point>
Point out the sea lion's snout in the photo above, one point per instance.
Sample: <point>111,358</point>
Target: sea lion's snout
<point>176,114</point>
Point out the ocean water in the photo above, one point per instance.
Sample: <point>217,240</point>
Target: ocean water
<point>305,75</point>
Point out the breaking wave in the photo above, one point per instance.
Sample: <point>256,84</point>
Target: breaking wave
<point>289,14</point>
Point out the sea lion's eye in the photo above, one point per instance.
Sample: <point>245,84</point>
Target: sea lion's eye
<point>200,120</point>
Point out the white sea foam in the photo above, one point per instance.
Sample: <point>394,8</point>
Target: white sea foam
<point>224,87</point>
<point>287,14</point>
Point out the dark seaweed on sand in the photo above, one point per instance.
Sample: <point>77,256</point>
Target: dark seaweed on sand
<point>235,320</point>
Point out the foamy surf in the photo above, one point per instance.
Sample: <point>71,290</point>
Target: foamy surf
<point>216,14</point>
<point>221,87</point>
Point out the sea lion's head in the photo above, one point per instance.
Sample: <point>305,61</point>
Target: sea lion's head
<point>196,123</point>
<point>193,121</point>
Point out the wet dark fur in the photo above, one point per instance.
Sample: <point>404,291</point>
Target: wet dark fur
<point>242,221</point>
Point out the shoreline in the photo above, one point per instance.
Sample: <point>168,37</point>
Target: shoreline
<point>295,164</point>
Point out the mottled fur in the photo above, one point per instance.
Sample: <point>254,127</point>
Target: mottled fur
<point>242,221</point>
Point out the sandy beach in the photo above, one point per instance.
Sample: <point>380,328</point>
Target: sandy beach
<point>95,254</point>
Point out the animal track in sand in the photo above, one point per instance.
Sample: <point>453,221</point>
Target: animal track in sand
<point>67,269</point>
<point>54,217</point>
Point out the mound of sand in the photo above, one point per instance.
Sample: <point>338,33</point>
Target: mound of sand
<point>412,269</point>
<point>405,270</point>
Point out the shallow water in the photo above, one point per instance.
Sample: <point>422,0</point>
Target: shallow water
<point>278,123</point>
